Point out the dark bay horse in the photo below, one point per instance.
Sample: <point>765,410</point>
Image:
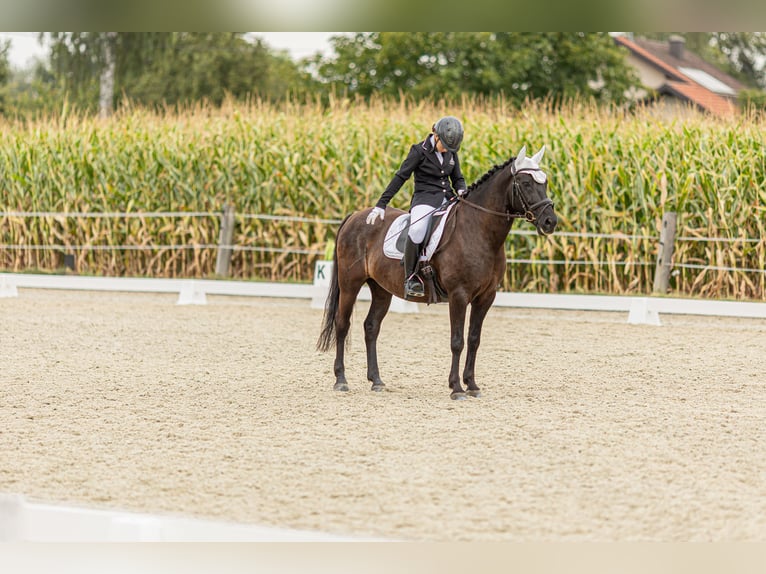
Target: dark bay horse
<point>469,264</point>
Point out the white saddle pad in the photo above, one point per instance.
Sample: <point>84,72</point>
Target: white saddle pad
<point>400,223</point>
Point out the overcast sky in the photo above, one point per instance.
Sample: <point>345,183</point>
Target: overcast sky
<point>25,45</point>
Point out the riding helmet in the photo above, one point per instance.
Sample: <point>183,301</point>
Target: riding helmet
<point>450,132</point>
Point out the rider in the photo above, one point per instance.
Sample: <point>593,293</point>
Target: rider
<point>433,161</point>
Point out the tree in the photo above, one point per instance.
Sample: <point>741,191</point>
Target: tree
<point>520,65</point>
<point>196,66</point>
<point>5,71</point>
<point>567,64</point>
<point>106,88</point>
<point>158,68</point>
<point>746,53</point>
<point>5,65</point>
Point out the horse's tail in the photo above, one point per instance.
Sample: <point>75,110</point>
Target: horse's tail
<point>327,336</point>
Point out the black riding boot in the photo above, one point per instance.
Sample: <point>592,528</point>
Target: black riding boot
<point>413,287</point>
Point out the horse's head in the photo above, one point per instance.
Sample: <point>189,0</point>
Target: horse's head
<point>529,185</point>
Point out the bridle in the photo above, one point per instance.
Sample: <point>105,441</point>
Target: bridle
<point>529,210</point>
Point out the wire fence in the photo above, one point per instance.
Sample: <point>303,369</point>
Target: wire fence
<point>40,239</point>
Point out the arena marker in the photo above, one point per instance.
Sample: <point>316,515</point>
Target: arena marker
<point>191,294</point>
<point>322,278</point>
<point>640,314</point>
<point>8,288</point>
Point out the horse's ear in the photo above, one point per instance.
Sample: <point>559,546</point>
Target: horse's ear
<point>520,157</point>
<point>538,156</point>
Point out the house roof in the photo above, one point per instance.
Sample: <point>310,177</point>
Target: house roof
<point>658,55</point>
<point>703,97</point>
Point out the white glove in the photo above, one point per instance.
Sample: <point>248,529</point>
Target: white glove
<point>376,211</point>
<point>461,192</point>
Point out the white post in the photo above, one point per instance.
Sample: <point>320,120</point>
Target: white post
<point>322,276</point>
<point>640,314</point>
<point>192,293</point>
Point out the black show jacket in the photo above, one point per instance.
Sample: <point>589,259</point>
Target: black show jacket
<point>432,178</point>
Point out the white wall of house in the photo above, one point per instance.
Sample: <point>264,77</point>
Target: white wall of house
<point>648,74</point>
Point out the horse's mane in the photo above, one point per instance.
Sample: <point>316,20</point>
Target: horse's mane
<point>492,171</point>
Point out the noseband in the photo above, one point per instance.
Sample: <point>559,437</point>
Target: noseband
<point>529,210</point>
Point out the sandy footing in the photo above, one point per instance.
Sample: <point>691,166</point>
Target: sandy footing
<point>588,429</point>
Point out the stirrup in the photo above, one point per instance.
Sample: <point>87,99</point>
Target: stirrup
<point>413,287</point>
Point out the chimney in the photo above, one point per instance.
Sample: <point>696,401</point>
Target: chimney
<point>677,46</point>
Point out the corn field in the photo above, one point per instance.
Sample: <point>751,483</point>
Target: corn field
<point>610,173</point>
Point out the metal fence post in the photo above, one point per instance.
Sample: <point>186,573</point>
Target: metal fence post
<point>665,255</point>
<point>223,261</point>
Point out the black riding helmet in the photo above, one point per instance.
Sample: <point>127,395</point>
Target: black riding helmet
<point>450,132</point>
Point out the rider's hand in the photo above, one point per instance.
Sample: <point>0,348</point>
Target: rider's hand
<point>375,213</point>
<point>461,192</point>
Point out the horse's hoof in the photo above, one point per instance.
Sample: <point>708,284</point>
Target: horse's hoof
<point>340,387</point>
<point>475,394</point>
<point>378,388</point>
<point>457,396</point>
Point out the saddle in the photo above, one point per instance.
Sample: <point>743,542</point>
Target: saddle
<point>393,244</point>
<point>393,247</point>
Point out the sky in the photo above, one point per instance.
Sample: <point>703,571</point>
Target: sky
<point>25,45</point>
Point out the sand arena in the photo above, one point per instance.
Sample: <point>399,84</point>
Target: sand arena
<point>589,429</point>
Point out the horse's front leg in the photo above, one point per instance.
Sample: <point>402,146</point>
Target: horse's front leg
<point>457,307</point>
<point>479,308</point>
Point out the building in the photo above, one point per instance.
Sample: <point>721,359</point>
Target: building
<point>676,80</point>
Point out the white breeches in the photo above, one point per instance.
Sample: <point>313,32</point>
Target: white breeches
<point>420,215</point>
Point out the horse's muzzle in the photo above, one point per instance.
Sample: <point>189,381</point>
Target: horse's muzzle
<point>546,223</point>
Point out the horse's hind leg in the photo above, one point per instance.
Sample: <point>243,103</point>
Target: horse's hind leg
<point>342,323</point>
<point>381,301</point>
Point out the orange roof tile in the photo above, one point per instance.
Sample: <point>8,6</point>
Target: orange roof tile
<point>704,98</point>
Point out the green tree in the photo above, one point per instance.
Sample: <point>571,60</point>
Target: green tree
<point>746,54</point>
<point>5,72</point>
<point>566,64</point>
<point>5,65</point>
<point>196,66</point>
<point>158,68</point>
<point>519,65</point>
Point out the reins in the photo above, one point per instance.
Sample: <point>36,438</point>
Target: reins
<point>507,214</point>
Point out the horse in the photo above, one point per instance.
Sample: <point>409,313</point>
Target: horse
<point>469,264</point>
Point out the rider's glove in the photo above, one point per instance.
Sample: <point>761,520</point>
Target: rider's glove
<point>375,213</point>
<point>461,192</point>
